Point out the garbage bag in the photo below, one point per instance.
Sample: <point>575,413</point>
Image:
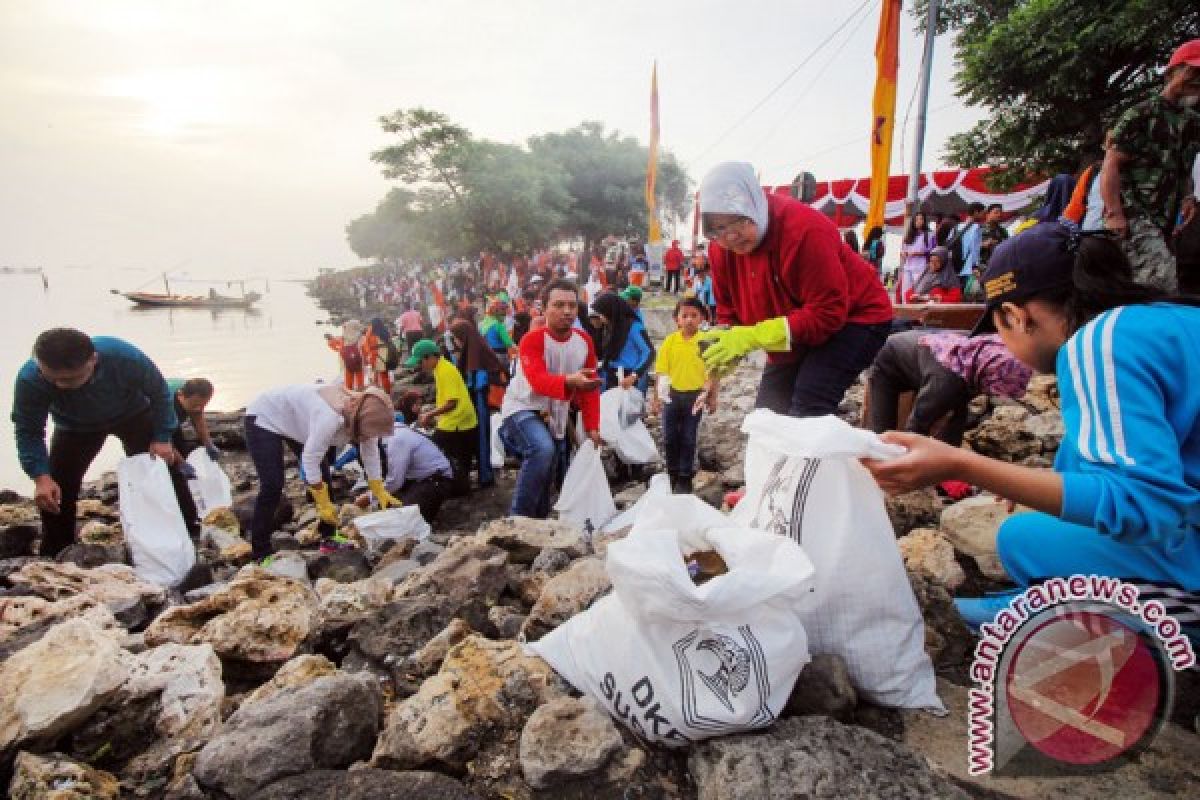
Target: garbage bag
<point>392,524</point>
<point>675,661</point>
<point>660,486</point>
<point>804,482</point>
<point>497,455</point>
<point>158,539</point>
<point>585,499</point>
<point>622,428</point>
<point>210,487</point>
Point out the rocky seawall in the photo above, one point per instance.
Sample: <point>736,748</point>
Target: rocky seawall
<point>399,671</point>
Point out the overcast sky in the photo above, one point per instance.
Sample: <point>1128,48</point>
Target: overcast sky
<point>232,137</point>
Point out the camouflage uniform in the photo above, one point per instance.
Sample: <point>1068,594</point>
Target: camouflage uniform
<point>1161,139</point>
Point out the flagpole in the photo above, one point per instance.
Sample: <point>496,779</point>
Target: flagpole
<point>914,174</point>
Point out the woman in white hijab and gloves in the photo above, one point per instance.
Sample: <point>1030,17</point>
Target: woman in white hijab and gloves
<point>786,282</point>
<point>311,419</point>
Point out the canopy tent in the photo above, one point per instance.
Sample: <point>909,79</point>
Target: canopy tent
<point>949,191</point>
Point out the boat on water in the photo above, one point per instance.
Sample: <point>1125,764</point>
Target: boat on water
<point>211,300</point>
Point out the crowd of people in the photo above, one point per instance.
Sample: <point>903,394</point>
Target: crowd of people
<point>1087,288</point>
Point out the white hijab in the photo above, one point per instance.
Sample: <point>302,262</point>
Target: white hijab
<point>732,188</point>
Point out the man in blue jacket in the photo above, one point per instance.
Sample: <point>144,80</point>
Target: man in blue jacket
<point>92,388</point>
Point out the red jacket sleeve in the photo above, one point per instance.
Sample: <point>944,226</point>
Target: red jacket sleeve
<point>721,280</point>
<point>589,402</point>
<point>812,272</point>
<point>533,365</point>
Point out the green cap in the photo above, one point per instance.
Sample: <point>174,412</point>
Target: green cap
<point>423,348</point>
<point>632,293</point>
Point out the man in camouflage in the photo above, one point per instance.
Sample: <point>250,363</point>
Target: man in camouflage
<point>1145,179</point>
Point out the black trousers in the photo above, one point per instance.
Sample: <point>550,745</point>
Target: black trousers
<point>72,452</point>
<point>462,448</point>
<point>903,365</point>
<point>427,495</point>
<point>815,384</point>
<point>266,451</point>
<point>672,280</point>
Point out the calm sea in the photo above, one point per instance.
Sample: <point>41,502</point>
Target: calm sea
<point>241,352</point>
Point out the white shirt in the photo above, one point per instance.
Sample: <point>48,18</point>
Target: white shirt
<point>301,414</point>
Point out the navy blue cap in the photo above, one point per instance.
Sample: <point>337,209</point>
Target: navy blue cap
<point>1034,261</point>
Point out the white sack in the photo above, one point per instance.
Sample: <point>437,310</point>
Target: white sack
<point>660,486</point>
<point>158,539</point>
<point>632,442</point>
<point>393,524</point>
<point>497,444</point>
<point>803,481</point>
<point>211,485</point>
<point>585,499</point>
<point>676,662</point>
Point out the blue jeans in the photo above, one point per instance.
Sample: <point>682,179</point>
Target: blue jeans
<point>1035,546</point>
<point>480,396</point>
<point>814,385</point>
<point>543,463</point>
<point>679,428</point>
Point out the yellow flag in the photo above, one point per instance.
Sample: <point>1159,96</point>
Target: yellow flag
<point>655,235</point>
<point>883,109</point>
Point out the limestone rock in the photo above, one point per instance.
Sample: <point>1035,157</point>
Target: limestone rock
<point>258,617</point>
<point>426,552</point>
<point>300,671</point>
<point>243,509</point>
<point>947,640</point>
<point>823,688</point>
<point>1002,435</point>
<point>1047,428</point>
<point>524,538</point>
<point>187,681</point>
<point>469,572</point>
<point>115,585</point>
<point>816,758</point>
<point>394,572</point>
<point>482,685</point>
<point>566,739</point>
<point>344,604</point>
<point>56,777</point>
<point>58,681</point>
<point>429,658</point>
<point>25,618</point>
<point>92,508</point>
<point>87,555</point>
<point>366,784</point>
<point>289,564</point>
<point>225,519</point>
<point>343,566</point>
<point>230,547</point>
<point>388,637</point>
<point>919,509</point>
<point>507,621</point>
<point>18,514</point>
<point>18,539</point>
<point>927,551</point>
<point>565,595</point>
<point>327,724</point>
<point>1042,393</point>
<point>550,562</point>
<point>971,526</point>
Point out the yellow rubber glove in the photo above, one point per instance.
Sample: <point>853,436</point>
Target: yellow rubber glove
<point>729,345</point>
<point>325,510</point>
<point>381,494</point>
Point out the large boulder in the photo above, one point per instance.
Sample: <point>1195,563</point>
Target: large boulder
<point>947,639</point>
<point>25,618</point>
<point>1003,435</point>
<point>258,617</point>
<point>524,538</point>
<point>565,740</point>
<point>243,509</point>
<point>58,681</point>
<point>814,758</point>
<point>483,688</point>
<point>468,573</point>
<point>391,636</point>
<point>823,687</point>
<point>929,552</point>
<point>328,723</point>
<point>565,595</point>
<point>20,527</point>
<point>56,777</point>
<point>971,526</point>
<point>114,585</point>
<point>366,784</point>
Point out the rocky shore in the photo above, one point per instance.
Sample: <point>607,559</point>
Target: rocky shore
<point>400,672</point>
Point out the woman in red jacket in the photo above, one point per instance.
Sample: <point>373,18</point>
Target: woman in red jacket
<point>939,282</point>
<point>787,283</point>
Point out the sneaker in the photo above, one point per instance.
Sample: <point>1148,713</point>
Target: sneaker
<point>265,562</point>
<point>975,611</point>
<point>335,543</point>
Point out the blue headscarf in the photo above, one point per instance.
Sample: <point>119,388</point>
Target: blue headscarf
<point>1058,194</point>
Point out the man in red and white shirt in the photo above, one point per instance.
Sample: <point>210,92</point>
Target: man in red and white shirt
<point>556,371</point>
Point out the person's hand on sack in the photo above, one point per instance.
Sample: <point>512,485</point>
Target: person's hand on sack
<point>163,450</point>
<point>583,381</point>
<point>927,462</point>
<point>382,495</point>
<point>213,451</point>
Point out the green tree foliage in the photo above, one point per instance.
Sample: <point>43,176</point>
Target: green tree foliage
<point>1055,74</point>
<point>464,195</point>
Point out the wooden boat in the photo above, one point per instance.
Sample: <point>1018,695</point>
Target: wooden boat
<point>212,300</point>
<point>951,316</point>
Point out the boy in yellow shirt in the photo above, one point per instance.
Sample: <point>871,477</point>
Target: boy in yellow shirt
<point>686,390</point>
<point>457,427</point>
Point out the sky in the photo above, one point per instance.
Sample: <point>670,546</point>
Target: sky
<point>233,138</point>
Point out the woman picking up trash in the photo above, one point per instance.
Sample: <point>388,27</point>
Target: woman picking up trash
<point>311,419</point>
<point>1123,499</point>
<point>788,284</point>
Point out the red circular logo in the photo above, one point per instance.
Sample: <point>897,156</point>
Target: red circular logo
<point>1083,688</point>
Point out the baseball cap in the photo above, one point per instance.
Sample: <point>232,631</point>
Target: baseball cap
<point>1030,263</point>
<point>1187,53</point>
<point>631,293</point>
<point>422,349</point>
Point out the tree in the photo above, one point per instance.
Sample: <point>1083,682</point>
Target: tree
<point>387,233</point>
<point>1054,74</point>
<point>432,149</point>
<point>606,176</point>
<point>515,201</point>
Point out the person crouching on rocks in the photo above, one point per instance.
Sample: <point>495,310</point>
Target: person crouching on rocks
<point>311,419</point>
<point>1123,499</point>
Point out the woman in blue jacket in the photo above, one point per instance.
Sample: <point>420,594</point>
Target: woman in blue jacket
<point>624,342</point>
<point>1123,499</point>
